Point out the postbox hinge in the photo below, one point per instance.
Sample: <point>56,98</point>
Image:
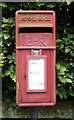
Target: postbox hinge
<point>18,85</point>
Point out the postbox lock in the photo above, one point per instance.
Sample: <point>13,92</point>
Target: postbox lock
<point>36,52</point>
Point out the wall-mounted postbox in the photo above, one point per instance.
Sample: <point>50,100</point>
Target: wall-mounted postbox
<point>35,58</point>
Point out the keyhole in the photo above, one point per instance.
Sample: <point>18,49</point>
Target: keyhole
<point>25,76</point>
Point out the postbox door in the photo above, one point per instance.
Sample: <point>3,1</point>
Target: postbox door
<point>29,94</point>
<point>35,96</point>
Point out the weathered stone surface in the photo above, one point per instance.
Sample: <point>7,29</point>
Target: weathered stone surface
<point>63,109</point>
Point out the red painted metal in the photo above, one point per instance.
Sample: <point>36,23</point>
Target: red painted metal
<point>35,30</point>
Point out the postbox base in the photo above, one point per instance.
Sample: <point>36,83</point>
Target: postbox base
<point>35,104</point>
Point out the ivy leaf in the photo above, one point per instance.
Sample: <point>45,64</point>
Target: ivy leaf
<point>13,76</point>
<point>5,20</point>
<point>11,7</point>
<point>62,92</point>
<point>72,46</point>
<point>63,68</point>
<point>58,66</point>
<point>61,96</point>
<point>58,40</point>
<point>72,53</point>
<point>12,68</point>
<point>69,1</point>
<point>40,3</point>
<point>64,80</point>
<point>8,43</point>
<point>11,20</point>
<point>67,49</point>
<point>68,75</point>
<point>1,35</point>
<point>7,73</point>
<point>5,25</point>
<point>71,36</point>
<point>68,80</point>
<point>3,5</point>
<point>13,56</point>
<point>9,57</point>
<point>72,64</point>
<point>72,93</point>
<point>6,36</point>
<point>0,42</point>
<point>51,5</point>
<point>61,46</point>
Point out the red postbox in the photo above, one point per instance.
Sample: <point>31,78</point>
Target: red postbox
<point>35,58</point>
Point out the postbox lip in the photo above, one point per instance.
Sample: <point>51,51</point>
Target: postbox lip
<point>20,104</point>
<point>35,11</point>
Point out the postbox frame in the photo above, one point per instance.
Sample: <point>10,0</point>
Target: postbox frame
<point>18,91</point>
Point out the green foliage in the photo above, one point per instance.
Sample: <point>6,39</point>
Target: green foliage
<point>65,44</point>
<point>65,54</point>
<point>69,1</point>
